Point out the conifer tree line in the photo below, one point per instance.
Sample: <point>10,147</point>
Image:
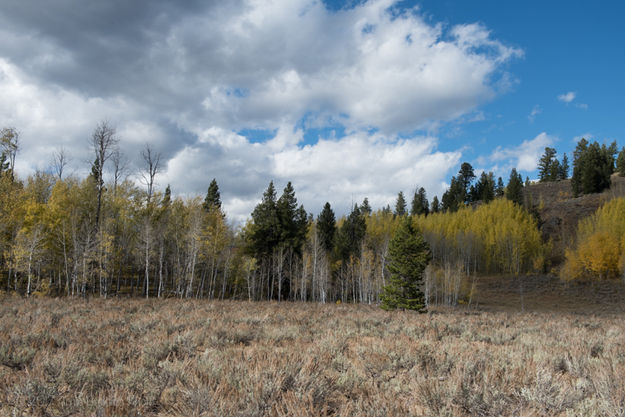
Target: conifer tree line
<point>105,235</point>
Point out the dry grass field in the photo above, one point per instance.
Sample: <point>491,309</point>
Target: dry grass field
<point>199,358</point>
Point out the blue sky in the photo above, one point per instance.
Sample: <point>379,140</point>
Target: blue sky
<point>345,99</point>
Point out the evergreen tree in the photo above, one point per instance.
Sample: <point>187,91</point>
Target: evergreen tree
<point>351,234</point>
<point>499,190</point>
<point>326,228</point>
<point>387,209</point>
<point>292,221</point>
<point>167,196</point>
<point>545,165</point>
<point>484,189</point>
<point>466,175</point>
<point>435,205</point>
<point>400,205</point>
<point>514,191</point>
<point>563,172</point>
<point>213,198</point>
<point>409,255</point>
<point>620,162</point>
<point>592,166</point>
<point>455,196</point>
<point>420,204</point>
<point>265,232</point>
<point>365,207</point>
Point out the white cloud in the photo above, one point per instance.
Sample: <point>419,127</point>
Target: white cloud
<point>185,84</point>
<point>536,110</point>
<point>525,156</point>
<point>567,97</point>
<point>334,170</point>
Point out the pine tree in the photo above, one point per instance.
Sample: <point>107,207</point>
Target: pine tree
<point>466,175</point>
<point>484,189</point>
<point>409,255</point>
<point>592,166</point>
<point>545,165</point>
<point>365,207</point>
<point>499,190</point>
<point>265,233</point>
<point>435,205</point>
<point>514,191</point>
<point>326,228</point>
<point>563,172</point>
<point>455,196</point>
<point>400,205</point>
<point>351,234</point>
<point>213,198</point>
<point>620,162</point>
<point>420,204</point>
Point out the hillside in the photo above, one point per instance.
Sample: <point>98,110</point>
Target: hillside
<point>559,212</point>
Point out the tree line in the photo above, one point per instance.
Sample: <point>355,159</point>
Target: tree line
<point>90,236</point>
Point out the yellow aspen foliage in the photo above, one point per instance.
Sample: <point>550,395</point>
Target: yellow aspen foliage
<point>496,237</point>
<point>600,249</point>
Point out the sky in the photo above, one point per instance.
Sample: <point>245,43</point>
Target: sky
<point>346,99</point>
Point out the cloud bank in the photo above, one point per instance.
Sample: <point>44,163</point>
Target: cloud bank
<point>187,77</point>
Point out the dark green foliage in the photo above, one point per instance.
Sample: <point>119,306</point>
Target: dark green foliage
<point>514,190</point>
<point>484,189</point>
<point>620,163</point>
<point>167,196</point>
<point>563,172</point>
<point>293,221</point>
<point>96,173</point>
<point>466,176</point>
<point>592,166</point>
<point>351,234</point>
<point>213,198</point>
<point>400,205</point>
<point>265,233</point>
<point>547,171</point>
<point>326,228</point>
<point>409,255</point>
<point>365,207</point>
<point>420,204</point>
<point>455,196</point>
<point>499,190</point>
<point>435,205</point>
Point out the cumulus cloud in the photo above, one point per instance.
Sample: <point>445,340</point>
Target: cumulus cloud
<point>340,171</point>
<point>567,97</point>
<point>185,76</point>
<point>525,156</point>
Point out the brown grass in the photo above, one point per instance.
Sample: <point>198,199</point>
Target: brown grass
<point>199,358</point>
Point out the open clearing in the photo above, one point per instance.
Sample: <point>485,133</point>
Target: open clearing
<point>199,358</point>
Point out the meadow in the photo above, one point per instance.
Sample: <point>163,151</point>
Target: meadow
<point>130,357</point>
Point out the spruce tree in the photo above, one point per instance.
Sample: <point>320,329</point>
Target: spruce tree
<point>213,198</point>
<point>545,165</point>
<point>365,207</point>
<point>514,191</point>
<point>409,254</point>
<point>420,204</point>
<point>592,166</point>
<point>326,228</point>
<point>620,163</point>
<point>435,205</point>
<point>484,189</point>
<point>351,234</point>
<point>400,205</point>
<point>563,172</point>
<point>499,190</point>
